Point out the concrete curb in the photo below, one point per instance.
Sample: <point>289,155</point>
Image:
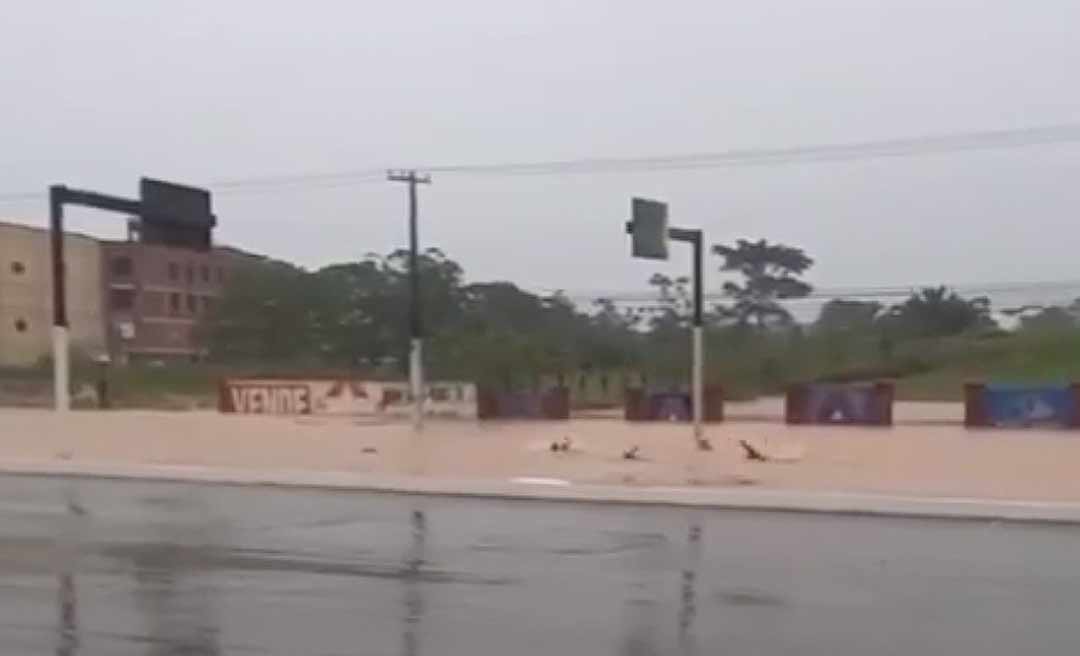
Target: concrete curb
<point>690,497</point>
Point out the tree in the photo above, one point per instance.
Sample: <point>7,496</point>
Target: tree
<point>352,302</point>
<point>842,315</point>
<point>1049,319</point>
<point>611,339</point>
<point>264,315</point>
<point>939,312</point>
<point>440,294</point>
<point>771,273</point>
<point>674,304</point>
<point>355,314</point>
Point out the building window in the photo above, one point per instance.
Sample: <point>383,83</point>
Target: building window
<point>174,303</point>
<point>205,271</point>
<point>21,325</point>
<point>192,307</point>
<point>174,271</point>
<point>207,303</point>
<point>122,266</point>
<point>220,275</point>
<point>122,299</point>
<point>190,274</point>
<point>18,268</point>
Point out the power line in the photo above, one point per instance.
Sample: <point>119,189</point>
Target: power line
<point>876,149</point>
<point>985,140</point>
<point>870,293</point>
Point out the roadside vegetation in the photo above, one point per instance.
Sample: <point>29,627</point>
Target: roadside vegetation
<point>351,318</point>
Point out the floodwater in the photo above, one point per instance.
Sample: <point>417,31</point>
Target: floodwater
<point>110,567</point>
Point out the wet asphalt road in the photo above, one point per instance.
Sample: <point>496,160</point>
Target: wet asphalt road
<point>100,567</point>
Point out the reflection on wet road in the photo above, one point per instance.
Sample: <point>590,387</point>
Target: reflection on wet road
<point>106,567</point>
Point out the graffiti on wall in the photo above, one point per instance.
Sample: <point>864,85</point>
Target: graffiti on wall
<point>670,406</point>
<point>270,398</point>
<point>834,404</point>
<point>826,403</point>
<point>345,397</point>
<point>1012,405</point>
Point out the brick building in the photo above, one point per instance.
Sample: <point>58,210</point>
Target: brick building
<point>155,295</point>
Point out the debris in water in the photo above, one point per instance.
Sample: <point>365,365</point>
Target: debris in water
<point>752,453</point>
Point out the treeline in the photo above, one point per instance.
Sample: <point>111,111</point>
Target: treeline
<point>356,315</point>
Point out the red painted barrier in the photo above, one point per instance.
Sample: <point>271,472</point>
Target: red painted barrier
<point>974,406</point>
<point>550,404</point>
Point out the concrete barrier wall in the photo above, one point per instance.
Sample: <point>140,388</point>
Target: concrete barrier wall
<point>825,403</point>
<point>645,405</point>
<point>553,403</point>
<point>348,397</point>
<point>1022,406</point>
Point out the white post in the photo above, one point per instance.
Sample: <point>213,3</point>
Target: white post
<point>699,384</point>
<point>61,376</point>
<point>416,382</point>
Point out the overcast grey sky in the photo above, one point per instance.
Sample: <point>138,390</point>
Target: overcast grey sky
<point>95,94</point>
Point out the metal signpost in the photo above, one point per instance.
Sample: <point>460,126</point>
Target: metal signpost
<point>648,228</point>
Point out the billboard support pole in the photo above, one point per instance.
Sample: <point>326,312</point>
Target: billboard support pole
<point>60,195</point>
<point>697,377</point>
<point>61,372</point>
<point>648,228</point>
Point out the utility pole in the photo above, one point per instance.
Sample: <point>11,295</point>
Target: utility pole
<point>416,332</point>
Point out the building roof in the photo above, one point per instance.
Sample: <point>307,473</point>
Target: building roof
<point>8,224</point>
<point>14,224</point>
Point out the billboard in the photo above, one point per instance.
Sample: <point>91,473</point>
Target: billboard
<point>343,397</point>
<point>1021,406</point>
<point>174,215</point>
<point>648,229</point>
<point>550,404</point>
<point>168,202</point>
<point>825,403</point>
<point>646,405</point>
